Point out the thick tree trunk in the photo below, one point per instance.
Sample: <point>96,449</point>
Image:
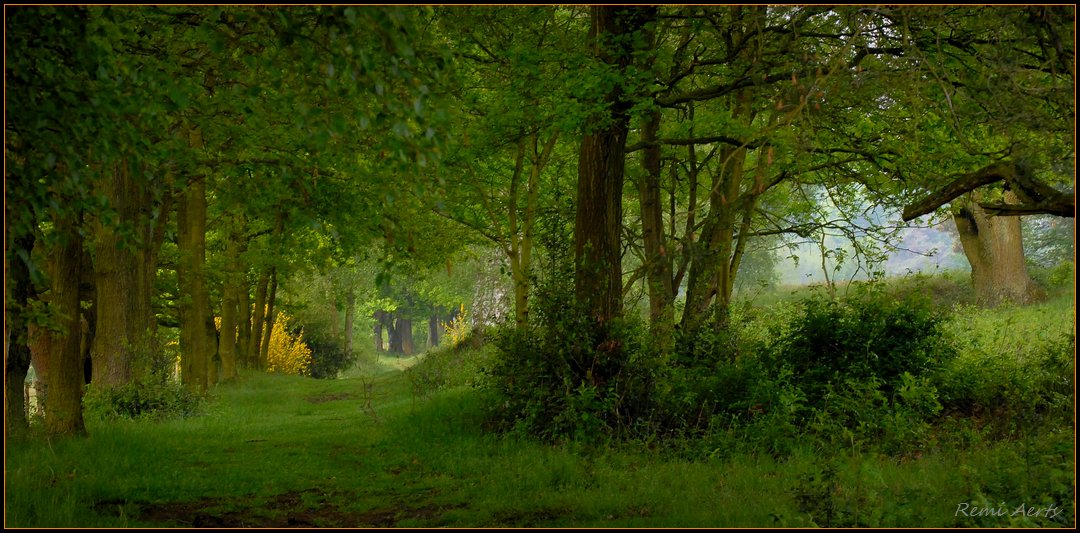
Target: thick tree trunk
<point>394,333</point>
<point>995,250</point>
<point>258,321</point>
<point>271,295</point>
<point>350,318</point>
<point>405,333</point>
<point>598,223</point>
<point>123,273</point>
<point>17,352</point>
<point>194,297</point>
<point>65,376</point>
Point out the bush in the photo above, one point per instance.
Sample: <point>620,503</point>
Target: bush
<point>566,376</point>
<point>153,397</point>
<point>328,358</point>
<point>872,336</point>
<point>450,365</point>
<point>287,353</point>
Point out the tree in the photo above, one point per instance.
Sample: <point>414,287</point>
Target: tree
<point>614,37</point>
<point>1007,81</point>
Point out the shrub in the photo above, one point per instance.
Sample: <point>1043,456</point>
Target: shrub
<point>567,376</point>
<point>871,336</point>
<point>458,329</point>
<point>328,358</point>
<point>152,397</point>
<point>287,353</point>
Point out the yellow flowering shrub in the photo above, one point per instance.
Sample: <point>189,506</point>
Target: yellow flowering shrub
<point>458,328</point>
<point>287,354</point>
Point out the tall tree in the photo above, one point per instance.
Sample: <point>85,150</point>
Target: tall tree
<point>614,37</point>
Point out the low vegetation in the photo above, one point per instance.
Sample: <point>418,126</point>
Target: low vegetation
<point>762,428</point>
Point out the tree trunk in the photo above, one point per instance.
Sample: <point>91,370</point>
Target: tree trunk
<point>194,296</point>
<point>123,274</point>
<point>658,264</point>
<point>65,377</point>
<point>433,331</point>
<point>350,318</point>
<point>87,318</point>
<point>243,334</point>
<point>598,223</point>
<point>394,331</point>
<point>995,250</point>
<point>230,295</point>
<point>264,350</point>
<point>405,333</point>
<point>17,352</point>
<point>258,321</point>
<point>710,267</point>
<point>378,333</point>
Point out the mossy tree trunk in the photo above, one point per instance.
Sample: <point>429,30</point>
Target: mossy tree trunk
<point>65,375</point>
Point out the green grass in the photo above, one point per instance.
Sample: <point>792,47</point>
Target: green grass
<point>275,451</point>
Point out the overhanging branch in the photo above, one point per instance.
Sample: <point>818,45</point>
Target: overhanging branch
<point>1036,197</point>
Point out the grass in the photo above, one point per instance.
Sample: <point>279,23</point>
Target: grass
<point>277,451</point>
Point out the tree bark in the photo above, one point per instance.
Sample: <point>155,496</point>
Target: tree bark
<point>433,331</point>
<point>65,376</point>
<point>17,352</point>
<point>378,333</point>
<point>405,333</point>
<point>123,274</point>
<point>194,297</point>
<point>243,334</point>
<point>1031,195</point>
<point>264,350</point>
<point>712,253</point>
<point>598,223</point>
<point>658,263</point>
<point>394,332</point>
<point>258,321</point>
<point>995,250</point>
<point>230,296</point>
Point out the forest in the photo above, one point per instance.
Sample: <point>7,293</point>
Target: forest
<point>539,266</point>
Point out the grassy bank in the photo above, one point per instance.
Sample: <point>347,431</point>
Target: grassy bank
<point>386,447</point>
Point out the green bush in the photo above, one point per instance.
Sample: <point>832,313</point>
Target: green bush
<point>153,397</point>
<point>871,336</point>
<point>1011,390</point>
<point>328,357</point>
<point>566,376</point>
<point>450,366</point>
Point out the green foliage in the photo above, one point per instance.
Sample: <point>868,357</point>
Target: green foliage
<point>328,357</point>
<point>1058,279</point>
<point>152,397</point>
<point>450,366</point>
<point>870,336</point>
<point>566,376</point>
